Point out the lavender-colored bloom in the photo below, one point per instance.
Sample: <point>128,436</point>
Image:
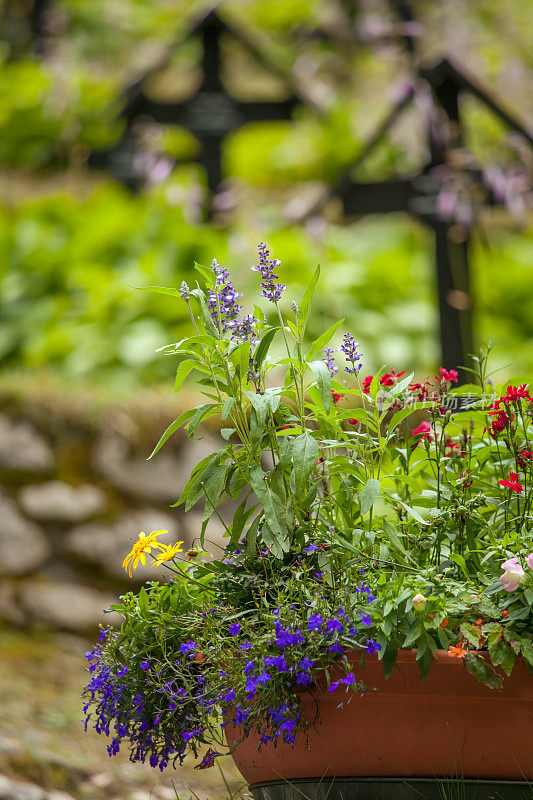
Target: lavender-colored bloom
<point>303,678</point>
<point>276,661</point>
<point>284,637</point>
<point>245,645</point>
<point>229,696</point>
<point>336,648</point>
<point>315,622</point>
<point>334,625</point>
<point>318,576</point>
<point>350,349</point>
<point>306,663</point>
<point>365,618</point>
<point>241,715</point>
<point>249,667</point>
<point>311,548</point>
<point>372,646</point>
<point>185,292</point>
<point>145,665</point>
<point>234,628</point>
<point>329,361</point>
<point>222,302</point>
<point>186,647</point>
<point>270,289</point>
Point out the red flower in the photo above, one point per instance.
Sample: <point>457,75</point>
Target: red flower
<point>523,457</point>
<point>499,424</point>
<point>513,394</point>
<point>390,378</point>
<point>421,389</point>
<point>449,375</point>
<point>387,380</point>
<point>424,431</point>
<point>354,422</point>
<point>513,483</point>
<point>335,396</point>
<point>366,383</point>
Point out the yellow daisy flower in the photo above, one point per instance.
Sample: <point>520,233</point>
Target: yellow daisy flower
<point>145,544</point>
<point>167,554</point>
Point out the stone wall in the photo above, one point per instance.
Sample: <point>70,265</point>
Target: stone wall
<point>76,490</point>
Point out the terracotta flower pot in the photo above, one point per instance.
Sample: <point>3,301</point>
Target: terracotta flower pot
<point>448,725</point>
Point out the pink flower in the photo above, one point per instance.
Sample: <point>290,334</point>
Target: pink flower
<point>513,574</point>
<point>424,431</point>
<point>529,561</point>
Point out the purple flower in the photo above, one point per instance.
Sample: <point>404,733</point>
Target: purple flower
<point>245,645</point>
<point>241,715</point>
<point>315,622</point>
<point>249,667</point>
<point>145,665</point>
<point>306,663</point>
<point>303,678</point>
<point>284,637</point>
<point>311,548</point>
<point>336,648</point>
<point>334,625</point>
<point>222,303</point>
<point>318,576</point>
<point>266,266</point>
<point>229,696</point>
<point>186,647</point>
<point>365,618</point>
<point>372,646</point>
<point>234,628</point>
<point>329,361</point>
<point>276,661</point>
<point>350,349</point>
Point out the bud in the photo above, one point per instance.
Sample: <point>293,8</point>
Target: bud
<point>419,603</point>
<point>192,553</point>
<point>185,292</point>
<point>294,307</point>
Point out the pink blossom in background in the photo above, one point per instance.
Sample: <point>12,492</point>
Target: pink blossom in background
<point>513,574</point>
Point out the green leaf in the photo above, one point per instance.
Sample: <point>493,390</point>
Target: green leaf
<point>251,535</point>
<point>483,671</point>
<point>172,428</point>
<point>305,305</point>
<point>398,417</point>
<point>305,453</point>
<point>323,340</point>
<point>264,345</point>
<point>226,433</point>
<point>200,413</point>
<point>212,488</point>
<point>369,495</point>
<point>411,511</point>
<point>323,381</point>
<point>183,370</point>
<point>240,358</point>
<point>207,274</point>
<point>394,538</point>
<point>210,326</point>
<point>401,385</point>
<point>458,559</point>
<point>159,290</point>
<point>226,408</point>
<point>389,659</point>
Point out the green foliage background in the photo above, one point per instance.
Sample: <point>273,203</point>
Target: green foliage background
<point>73,244</point>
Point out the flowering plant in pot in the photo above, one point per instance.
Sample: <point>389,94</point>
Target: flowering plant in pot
<point>381,525</point>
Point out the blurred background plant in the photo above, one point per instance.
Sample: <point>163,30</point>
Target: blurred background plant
<point>73,242</point>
